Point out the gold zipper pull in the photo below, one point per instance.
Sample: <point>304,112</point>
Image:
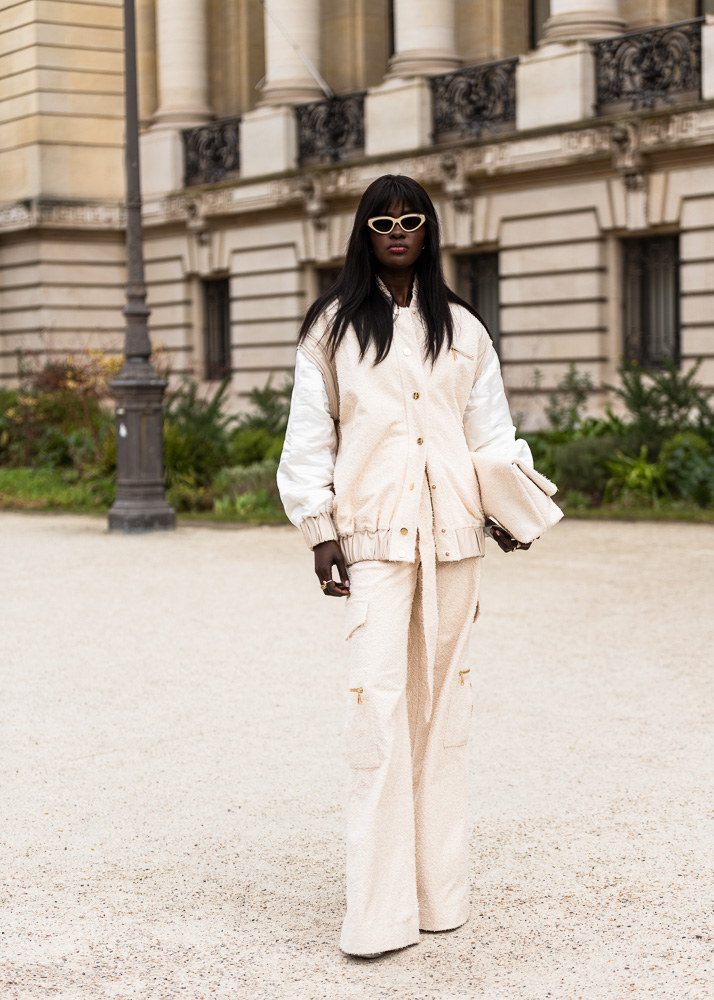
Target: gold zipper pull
<point>454,353</point>
<point>461,675</point>
<point>359,694</point>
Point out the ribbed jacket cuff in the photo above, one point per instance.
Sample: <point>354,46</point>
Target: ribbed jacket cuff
<point>318,529</point>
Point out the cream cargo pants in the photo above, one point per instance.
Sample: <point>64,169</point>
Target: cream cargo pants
<point>407,843</point>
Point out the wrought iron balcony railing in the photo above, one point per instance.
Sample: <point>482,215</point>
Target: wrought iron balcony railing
<point>474,98</point>
<point>649,66</point>
<point>331,130</point>
<point>212,152</point>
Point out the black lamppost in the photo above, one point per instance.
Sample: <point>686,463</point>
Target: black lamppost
<point>140,503</point>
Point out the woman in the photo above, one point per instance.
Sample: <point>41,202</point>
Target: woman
<point>396,381</point>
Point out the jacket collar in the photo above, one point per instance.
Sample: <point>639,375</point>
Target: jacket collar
<point>413,305</point>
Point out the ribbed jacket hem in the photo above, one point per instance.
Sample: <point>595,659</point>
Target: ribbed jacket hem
<point>318,529</point>
<point>464,543</point>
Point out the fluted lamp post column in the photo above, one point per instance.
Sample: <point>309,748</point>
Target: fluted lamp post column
<point>140,503</point>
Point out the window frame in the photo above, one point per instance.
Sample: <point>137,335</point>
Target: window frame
<point>217,364</point>
<point>460,267</point>
<point>639,278</point>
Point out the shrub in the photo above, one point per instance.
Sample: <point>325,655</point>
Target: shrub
<point>665,400</point>
<point>688,463</point>
<point>564,409</point>
<point>184,497</point>
<point>582,464</point>
<point>238,480</point>
<point>258,507</point>
<point>636,479</point>
<point>196,436</point>
<point>271,408</point>
<point>56,417</point>
<point>577,500</point>
<point>252,444</point>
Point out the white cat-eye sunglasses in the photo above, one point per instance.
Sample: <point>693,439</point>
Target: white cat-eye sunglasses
<point>384,224</point>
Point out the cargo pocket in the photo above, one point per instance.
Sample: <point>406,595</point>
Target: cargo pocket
<point>360,729</point>
<point>461,705</point>
<point>355,615</point>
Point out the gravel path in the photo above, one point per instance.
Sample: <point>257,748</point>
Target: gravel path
<point>173,771</point>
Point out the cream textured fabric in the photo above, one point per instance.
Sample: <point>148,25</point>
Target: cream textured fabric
<point>407,806</point>
<point>396,421</point>
<point>516,497</point>
<point>378,457</point>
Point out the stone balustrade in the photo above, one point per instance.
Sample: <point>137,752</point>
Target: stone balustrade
<point>635,70</point>
<point>474,98</point>
<point>211,152</point>
<point>331,130</point>
<point>646,68</point>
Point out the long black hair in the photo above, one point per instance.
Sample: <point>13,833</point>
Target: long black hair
<point>359,300</point>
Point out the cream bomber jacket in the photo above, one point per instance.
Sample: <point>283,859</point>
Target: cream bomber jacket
<point>402,426</point>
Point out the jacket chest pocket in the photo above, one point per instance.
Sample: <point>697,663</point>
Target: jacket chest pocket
<point>461,705</point>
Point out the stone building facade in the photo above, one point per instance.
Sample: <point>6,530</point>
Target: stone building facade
<point>567,145</point>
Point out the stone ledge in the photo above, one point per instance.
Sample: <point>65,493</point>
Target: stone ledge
<point>536,150</point>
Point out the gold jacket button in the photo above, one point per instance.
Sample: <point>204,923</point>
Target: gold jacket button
<point>420,440</point>
<point>404,531</point>
<point>411,486</point>
<point>415,395</point>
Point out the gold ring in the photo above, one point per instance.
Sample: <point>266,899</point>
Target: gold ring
<point>325,584</point>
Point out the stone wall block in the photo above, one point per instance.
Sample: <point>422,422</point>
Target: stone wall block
<point>555,85</point>
<point>162,161</point>
<point>398,117</point>
<point>268,141</point>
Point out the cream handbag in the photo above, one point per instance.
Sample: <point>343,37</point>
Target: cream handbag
<point>515,496</point>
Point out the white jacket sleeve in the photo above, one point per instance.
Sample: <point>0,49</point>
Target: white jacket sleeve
<point>487,419</point>
<point>307,462</point>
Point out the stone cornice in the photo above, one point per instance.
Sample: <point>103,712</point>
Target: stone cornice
<point>47,213</point>
<point>451,168</point>
<point>312,190</point>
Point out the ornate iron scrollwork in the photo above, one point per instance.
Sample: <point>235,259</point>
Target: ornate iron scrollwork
<point>212,151</point>
<point>474,98</point>
<point>644,67</point>
<point>331,129</point>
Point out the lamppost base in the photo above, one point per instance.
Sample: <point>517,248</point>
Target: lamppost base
<point>160,517</point>
<point>140,503</point>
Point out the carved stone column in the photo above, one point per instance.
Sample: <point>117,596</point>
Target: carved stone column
<point>182,35</point>
<point>425,37</point>
<point>575,19</point>
<point>288,79</point>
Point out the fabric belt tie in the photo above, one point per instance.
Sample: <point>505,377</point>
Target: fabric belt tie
<point>426,547</point>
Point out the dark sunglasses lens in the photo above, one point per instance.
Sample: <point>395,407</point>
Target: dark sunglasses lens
<point>382,225</point>
<point>410,223</point>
